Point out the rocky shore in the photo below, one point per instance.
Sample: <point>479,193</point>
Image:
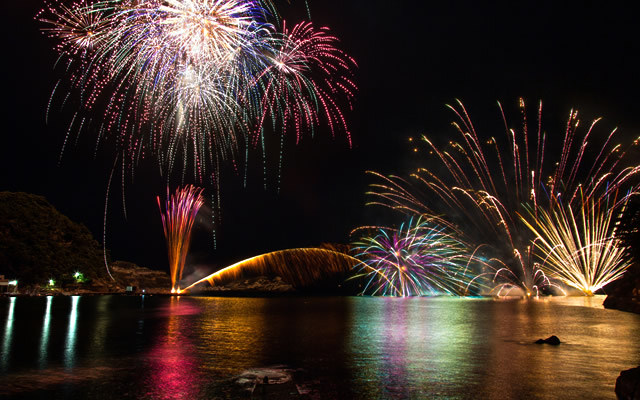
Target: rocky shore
<point>138,278</point>
<point>129,278</point>
<point>624,294</point>
<point>628,384</point>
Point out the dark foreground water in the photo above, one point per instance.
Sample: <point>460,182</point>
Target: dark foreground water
<point>114,347</point>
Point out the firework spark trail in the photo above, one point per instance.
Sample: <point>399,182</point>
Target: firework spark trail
<point>177,220</point>
<point>76,26</point>
<point>579,246</point>
<point>104,226</point>
<point>417,259</point>
<point>305,71</point>
<point>478,196</point>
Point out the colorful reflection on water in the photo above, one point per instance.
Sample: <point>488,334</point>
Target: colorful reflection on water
<point>412,346</point>
<point>370,348</point>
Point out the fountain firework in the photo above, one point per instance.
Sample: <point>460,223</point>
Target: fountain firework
<point>479,191</point>
<point>177,220</point>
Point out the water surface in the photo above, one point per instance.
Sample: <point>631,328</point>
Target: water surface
<point>153,347</point>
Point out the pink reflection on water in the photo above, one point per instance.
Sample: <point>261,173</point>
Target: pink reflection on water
<point>173,367</point>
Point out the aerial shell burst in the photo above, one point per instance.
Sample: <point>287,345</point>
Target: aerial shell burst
<point>417,259</point>
<point>193,81</point>
<point>478,188</point>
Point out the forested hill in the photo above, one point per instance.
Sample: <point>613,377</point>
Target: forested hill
<point>38,243</point>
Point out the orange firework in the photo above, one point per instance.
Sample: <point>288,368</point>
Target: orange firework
<point>177,220</point>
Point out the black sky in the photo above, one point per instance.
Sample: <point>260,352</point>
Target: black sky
<point>413,57</point>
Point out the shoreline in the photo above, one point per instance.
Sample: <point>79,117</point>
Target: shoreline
<point>273,294</point>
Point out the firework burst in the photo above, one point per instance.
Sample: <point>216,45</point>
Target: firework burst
<point>417,259</point>
<point>192,81</point>
<point>76,27</point>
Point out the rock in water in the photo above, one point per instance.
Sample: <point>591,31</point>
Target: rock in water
<point>628,384</point>
<point>553,340</point>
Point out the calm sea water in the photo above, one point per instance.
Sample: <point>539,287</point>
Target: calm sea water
<point>153,347</point>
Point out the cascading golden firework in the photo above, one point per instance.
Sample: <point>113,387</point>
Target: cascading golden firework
<point>298,267</point>
<point>177,220</point>
<point>579,246</point>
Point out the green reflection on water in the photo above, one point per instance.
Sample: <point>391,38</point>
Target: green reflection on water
<point>44,337</point>
<point>70,343</point>
<point>8,332</point>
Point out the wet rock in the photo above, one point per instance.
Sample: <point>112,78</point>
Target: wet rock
<point>553,340</point>
<point>274,375</point>
<point>628,384</point>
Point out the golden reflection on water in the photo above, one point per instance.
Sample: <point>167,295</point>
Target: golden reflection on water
<point>516,367</point>
<point>431,348</point>
<point>231,334</point>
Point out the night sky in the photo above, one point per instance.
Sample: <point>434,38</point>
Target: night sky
<point>413,57</point>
